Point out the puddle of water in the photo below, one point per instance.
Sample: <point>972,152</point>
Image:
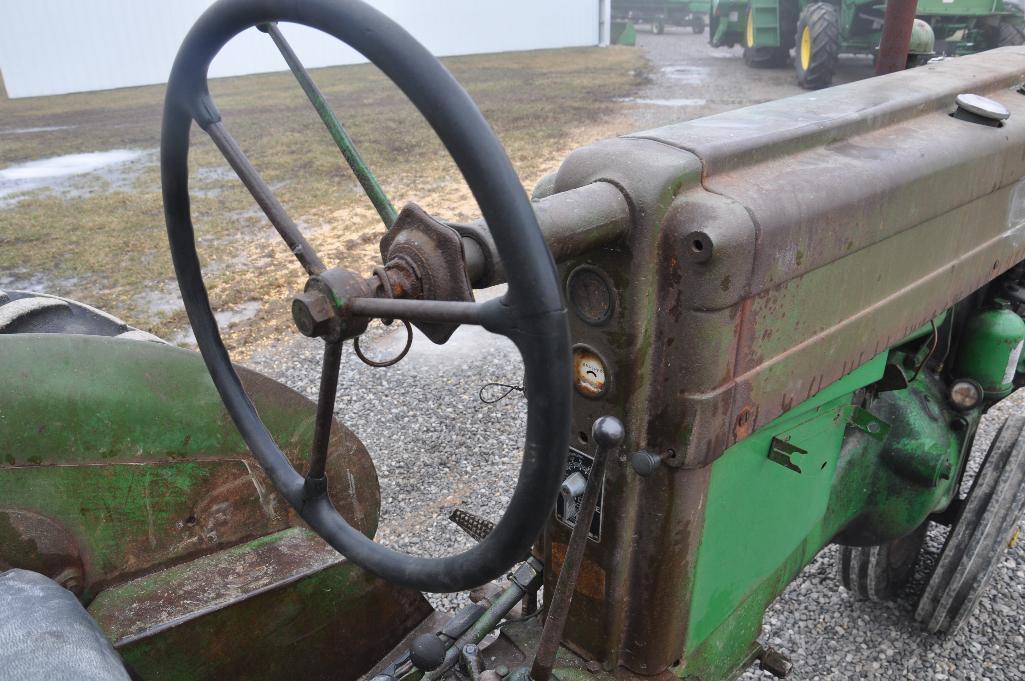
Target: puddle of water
<point>36,283</point>
<point>225,318</point>
<point>663,102</point>
<point>27,131</point>
<point>73,175</point>
<point>686,75</point>
<point>155,303</point>
<point>63,166</point>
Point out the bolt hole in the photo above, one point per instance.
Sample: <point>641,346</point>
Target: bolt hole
<point>190,521</point>
<point>823,466</point>
<point>697,245</point>
<point>582,436</point>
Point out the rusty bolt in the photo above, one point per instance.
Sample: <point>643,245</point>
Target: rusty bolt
<point>312,314</point>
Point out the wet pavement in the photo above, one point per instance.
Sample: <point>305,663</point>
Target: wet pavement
<point>690,78</point>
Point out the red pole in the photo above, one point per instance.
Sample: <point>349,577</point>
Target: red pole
<point>893,45</point>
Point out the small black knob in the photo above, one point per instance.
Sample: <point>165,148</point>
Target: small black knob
<point>427,652</point>
<point>645,463</point>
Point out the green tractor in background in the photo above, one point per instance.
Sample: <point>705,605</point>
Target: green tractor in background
<point>820,31</point>
<point>658,13</point>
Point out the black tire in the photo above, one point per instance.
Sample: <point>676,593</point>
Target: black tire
<point>987,522</point>
<point>23,312</point>
<point>879,573</point>
<point>697,24</point>
<point>816,66</point>
<point>766,57</point>
<point>1010,33</point>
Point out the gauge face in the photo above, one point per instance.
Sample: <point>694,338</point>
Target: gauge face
<point>590,295</point>
<point>589,372</point>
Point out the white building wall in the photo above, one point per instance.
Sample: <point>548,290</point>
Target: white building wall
<point>55,46</point>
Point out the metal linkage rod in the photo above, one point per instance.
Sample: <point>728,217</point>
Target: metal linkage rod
<point>345,144</point>
<point>525,579</point>
<point>265,198</point>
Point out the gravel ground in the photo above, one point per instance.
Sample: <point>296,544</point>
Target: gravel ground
<point>437,446</point>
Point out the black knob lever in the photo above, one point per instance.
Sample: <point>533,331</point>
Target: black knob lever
<point>607,433</point>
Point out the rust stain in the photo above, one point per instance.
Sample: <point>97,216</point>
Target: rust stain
<point>590,581</point>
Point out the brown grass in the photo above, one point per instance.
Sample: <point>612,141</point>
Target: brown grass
<point>109,248</point>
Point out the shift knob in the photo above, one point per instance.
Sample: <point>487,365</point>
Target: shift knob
<point>427,652</point>
<point>607,432</point>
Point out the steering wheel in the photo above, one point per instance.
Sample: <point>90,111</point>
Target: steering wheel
<point>531,313</point>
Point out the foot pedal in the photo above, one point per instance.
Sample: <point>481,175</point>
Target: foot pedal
<point>471,524</point>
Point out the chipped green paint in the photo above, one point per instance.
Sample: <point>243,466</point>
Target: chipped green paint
<point>282,606</point>
<point>867,476</point>
<point>125,448</point>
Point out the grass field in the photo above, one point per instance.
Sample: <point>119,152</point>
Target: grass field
<point>99,236</point>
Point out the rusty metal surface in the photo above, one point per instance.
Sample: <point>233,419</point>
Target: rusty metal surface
<point>573,221</point>
<point>125,448</point>
<point>626,609</point>
<point>224,615</point>
<point>767,258</point>
<point>818,218</point>
<point>898,21</point>
<point>434,252</point>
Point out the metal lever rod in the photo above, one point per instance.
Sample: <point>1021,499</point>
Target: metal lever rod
<point>607,433</point>
<point>342,140</point>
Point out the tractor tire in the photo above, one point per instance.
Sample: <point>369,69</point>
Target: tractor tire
<point>1010,33</point>
<point>766,57</point>
<point>878,573</point>
<point>987,523</point>
<point>818,45</point>
<point>697,24</point>
<point>22,312</point>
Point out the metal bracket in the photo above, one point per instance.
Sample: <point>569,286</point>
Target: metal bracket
<point>867,422</point>
<point>783,453</point>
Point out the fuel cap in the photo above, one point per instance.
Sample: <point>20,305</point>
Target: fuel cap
<point>983,106</point>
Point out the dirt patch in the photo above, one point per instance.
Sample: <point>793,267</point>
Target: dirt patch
<point>99,237</point>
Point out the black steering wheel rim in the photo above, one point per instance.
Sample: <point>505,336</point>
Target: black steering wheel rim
<point>534,300</point>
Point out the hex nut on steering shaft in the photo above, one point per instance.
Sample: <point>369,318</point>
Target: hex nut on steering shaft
<point>320,312</point>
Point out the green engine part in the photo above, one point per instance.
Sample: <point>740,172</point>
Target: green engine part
<point>923,40</point>
<point>990,350</point>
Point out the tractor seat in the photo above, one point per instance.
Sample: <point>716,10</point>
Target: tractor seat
<point>46,634</point>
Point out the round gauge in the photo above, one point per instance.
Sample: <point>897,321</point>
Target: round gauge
<point>589,373</point>
<point>590,295</point>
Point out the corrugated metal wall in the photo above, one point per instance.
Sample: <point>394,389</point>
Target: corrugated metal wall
<point>55,46</point>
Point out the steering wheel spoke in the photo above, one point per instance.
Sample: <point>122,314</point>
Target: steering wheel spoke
<point>325,408</point>
<point>338,133</point>
<point>265,198</point>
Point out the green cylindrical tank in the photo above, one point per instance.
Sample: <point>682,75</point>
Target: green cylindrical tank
<point>990,349</point>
